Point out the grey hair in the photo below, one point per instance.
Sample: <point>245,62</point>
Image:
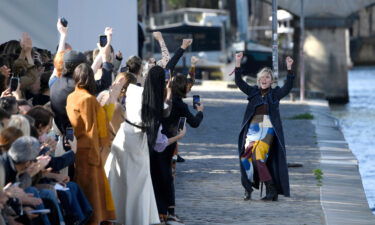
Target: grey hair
<point>24,149</point>
<point>261,72</point>
<point>20,122</point>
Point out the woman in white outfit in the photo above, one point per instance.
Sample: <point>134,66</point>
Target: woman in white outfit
<point>128,165</point>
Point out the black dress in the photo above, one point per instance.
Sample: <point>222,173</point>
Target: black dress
<point>161,162</point>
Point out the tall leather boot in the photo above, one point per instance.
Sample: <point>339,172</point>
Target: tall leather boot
<point>247,195</point>
<point>271,192</point>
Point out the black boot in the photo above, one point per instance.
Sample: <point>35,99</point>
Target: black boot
<point>247,196</point>
<point>271,192</point>
<point>180,159</point>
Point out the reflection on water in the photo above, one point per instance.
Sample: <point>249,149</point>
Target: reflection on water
<point>357,121</point>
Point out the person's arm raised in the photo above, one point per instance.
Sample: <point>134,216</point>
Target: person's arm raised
<point>241,84</point>
<point>288,85</point>
<point>26,45</point>
<point>63,31</point>
<point>163,48</point>
<point>107,68</point>
<point>178,54</point>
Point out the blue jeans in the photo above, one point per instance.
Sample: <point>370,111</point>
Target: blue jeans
<point>50,195</point>
<point>75,203</point>
<point>35,192</point>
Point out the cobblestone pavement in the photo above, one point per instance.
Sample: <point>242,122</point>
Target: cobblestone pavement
<point>208,188</point>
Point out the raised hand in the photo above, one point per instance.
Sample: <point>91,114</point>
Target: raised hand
<point>105,51</point>
<point>194,60</point>
<point>238,59</point>
<point>289,62</point>
<point>26,42</point>
<point>186,43</point>
<point>108,31</point>
<point>62,30</point>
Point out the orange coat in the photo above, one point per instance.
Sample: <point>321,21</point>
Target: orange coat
<point>90,125</point>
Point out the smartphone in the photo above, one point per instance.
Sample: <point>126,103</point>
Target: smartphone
<point>167,74</point>
<point>69,133</point>
<point>39,211</point>
<point>64,22</point>
<point>196,101</point>
<point>14,83</point>
<point>181,123</point>
<point>103,40</point>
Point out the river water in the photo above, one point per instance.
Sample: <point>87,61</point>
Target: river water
<point>357,121</point>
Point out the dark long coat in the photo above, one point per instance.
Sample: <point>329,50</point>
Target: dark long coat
<point>276,161</point>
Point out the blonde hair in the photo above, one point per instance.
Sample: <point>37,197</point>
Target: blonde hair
<point>262,72</point>
<point>20,122</point>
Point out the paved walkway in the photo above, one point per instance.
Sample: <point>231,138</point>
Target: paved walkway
<point>208,189</point>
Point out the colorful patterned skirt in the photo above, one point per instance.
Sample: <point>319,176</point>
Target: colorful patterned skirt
<point>259,138</point>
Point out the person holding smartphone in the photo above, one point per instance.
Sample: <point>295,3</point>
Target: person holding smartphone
<point>161,166</point>
<point>138,141</point>
<point>261,143</point>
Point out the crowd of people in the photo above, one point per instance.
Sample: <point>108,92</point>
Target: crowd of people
<point>86,138</point>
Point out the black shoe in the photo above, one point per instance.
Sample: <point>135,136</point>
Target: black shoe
<point>247,196</point>
<point>271,192</point>
<point>180,159</point>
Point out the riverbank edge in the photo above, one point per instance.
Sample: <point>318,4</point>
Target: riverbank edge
<point>342,196</point>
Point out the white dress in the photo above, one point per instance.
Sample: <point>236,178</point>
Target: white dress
<point>128,168</point>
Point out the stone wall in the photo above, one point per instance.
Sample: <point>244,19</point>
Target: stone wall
<point>326,62</point>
